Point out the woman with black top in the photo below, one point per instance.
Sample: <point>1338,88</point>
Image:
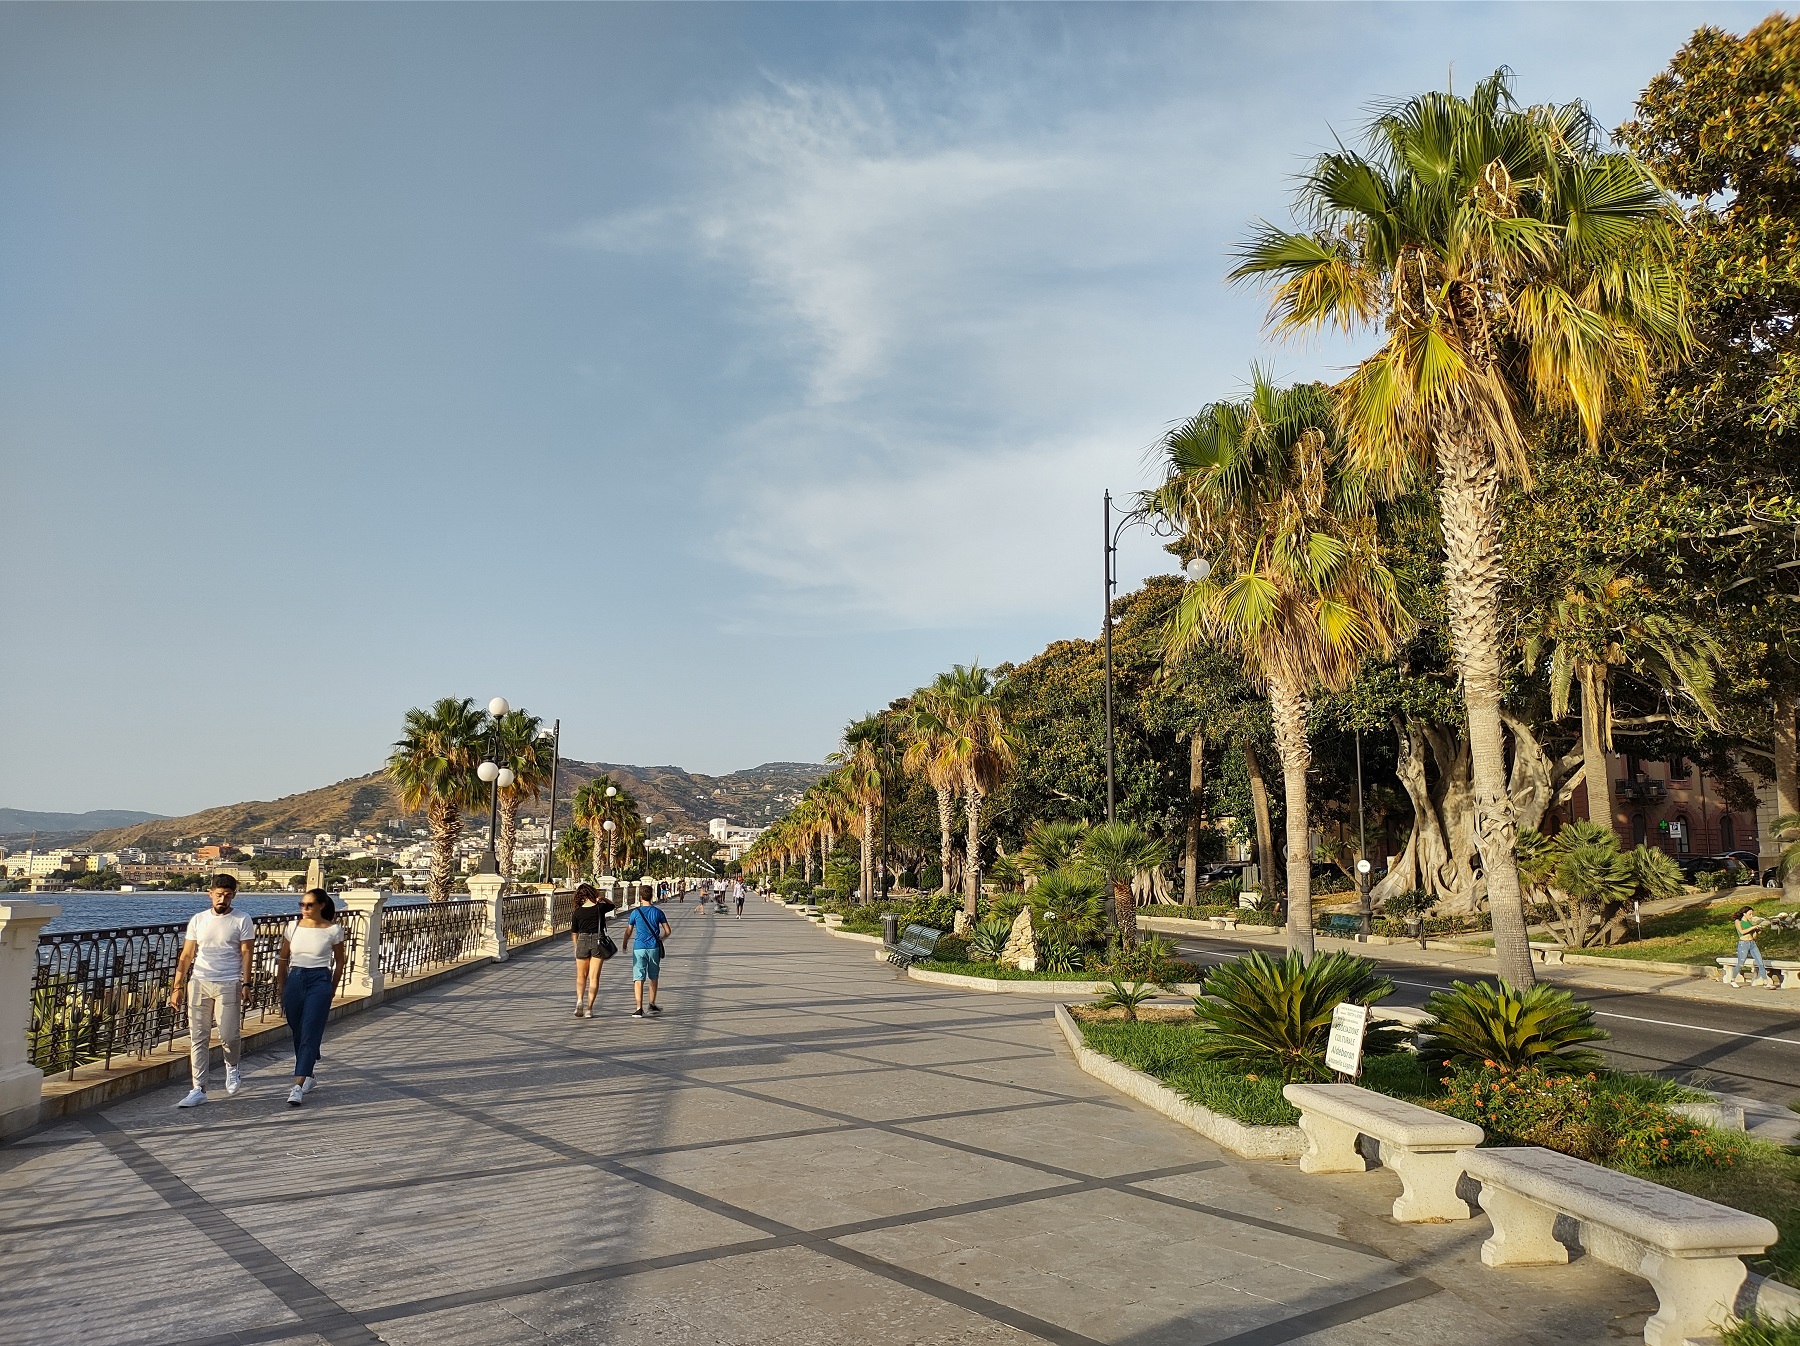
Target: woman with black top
<point>587,927</point>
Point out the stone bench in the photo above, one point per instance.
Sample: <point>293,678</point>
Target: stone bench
<point>1687,1247</point>
<point>1786,969</point>
<point>1222,922</point>
<point>1546,953</point>
<point>1424,1148</point>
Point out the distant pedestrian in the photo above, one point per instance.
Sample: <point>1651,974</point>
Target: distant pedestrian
<point>212,972</point>
<point>648,928</point>
<point>1745,922</point>
<point>593,946</point>
<point>307,977</point>
<point>739,895</point>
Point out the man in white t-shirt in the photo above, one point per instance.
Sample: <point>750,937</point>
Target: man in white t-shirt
<point>213,970</point>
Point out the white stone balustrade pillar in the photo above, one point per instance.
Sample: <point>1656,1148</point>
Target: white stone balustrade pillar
<point>363,977</point>
<point>21,1083</point>
<point>489,888</point>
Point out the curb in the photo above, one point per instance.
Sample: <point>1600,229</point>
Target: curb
<point>1251,1142</point>
<point>1023,987</point>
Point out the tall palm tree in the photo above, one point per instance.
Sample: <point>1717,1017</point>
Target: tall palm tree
<point>930,752</point>
<point>590,809</point>
<point>864,761</point>
<point>1297,585</point>
<point>1118,853</point>
<point>517,745</point>
<point>1606,624</point>
<point>970,703</point>
<point>434,765</point>
<point>575,848</point>
<point>1515,265</point>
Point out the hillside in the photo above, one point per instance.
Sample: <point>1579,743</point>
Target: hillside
<point>21,822</point>
<point>682,799</point>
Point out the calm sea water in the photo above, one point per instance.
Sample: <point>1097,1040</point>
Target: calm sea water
<point>98,911</point>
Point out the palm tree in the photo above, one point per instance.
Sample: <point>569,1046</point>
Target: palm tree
<point>1297,585</point>
<point>1604,624</point>
<point>1051,846</point>
<point>517,745</point>
<point>972,703</point>
<point>575,848</point>
<point>1515,266</point>
<point>1118,853</point>
<point>591,814</point>
<point>863,759</point>
<point>434,765</point>
<point>929,752</point>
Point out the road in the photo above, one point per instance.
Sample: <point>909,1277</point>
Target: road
<point>1747,1051</point>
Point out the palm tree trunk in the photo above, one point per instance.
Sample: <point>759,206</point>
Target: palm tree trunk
<point>946,807</point>
<point>1265,830</point>
<point>972,805</point>
<point>868,851</point>
<point>1468,505</point>
<point>1595,773</point>
<point>1787,782</point>
<point>1125,914</point>
<point>445,821</point>
<point>1287,708</point>
<point>1190,866</point>
<point>509,833</point>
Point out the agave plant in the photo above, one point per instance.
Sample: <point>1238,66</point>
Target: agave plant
<point>1275,1014</point>
<point>1125,997</point>
<point>987,941</point>
<point>1484,1024</point>
<point>1060,956</point>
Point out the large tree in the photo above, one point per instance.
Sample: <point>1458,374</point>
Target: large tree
<point>518,745</point>
<point>1513,265</point>
<point>434,765</point>
<point>1297,586</point>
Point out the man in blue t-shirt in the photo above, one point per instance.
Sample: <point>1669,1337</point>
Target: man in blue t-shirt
<point>647,928</point>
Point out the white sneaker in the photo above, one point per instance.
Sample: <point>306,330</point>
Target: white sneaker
<point>307,1084</point>
<point>194,1099</point>
<point>296,1096</point>
<point>234,1080</point>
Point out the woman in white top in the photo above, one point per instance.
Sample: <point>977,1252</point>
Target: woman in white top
<point>313,954</point>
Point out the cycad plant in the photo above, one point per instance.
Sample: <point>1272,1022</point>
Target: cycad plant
<point>1497,1025</point>
<point>1122,996</point>
<point>434,765</point>
<point>1275,1014</point>
<point>1117,853</point>
<point>987,941</point>
<point>1513,265</point>
<point>1297,586</point>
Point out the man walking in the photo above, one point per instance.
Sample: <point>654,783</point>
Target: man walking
<point>213,970</point>
<point>648,928</point>
<point>737,892</point>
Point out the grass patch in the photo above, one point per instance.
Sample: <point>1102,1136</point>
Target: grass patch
<point>1701,934</point>
<point>1765,1181</point>
<point>995,972</point>
<point>1169,1052</point>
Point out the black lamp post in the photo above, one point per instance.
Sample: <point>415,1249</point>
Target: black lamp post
<point>554,734</point>
<point>497,778</point>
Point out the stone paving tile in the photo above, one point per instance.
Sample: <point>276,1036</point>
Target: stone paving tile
<point>71,1184</point>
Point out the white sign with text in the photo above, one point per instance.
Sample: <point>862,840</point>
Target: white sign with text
<point>1343,1053</point>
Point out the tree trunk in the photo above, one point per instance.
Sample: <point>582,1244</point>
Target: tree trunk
<point>445,821</point>
<point>1468,506</point>
<point>1265,830</point>
<point>1125,915</point>
<point>1787,781</point>
<point>1190,867</point>
<point>509,833</point>
<point>1595,773</point>
<point>946,807</point>
<point>868,852</point>
<point>1287,708</point>
<point>972,865</point>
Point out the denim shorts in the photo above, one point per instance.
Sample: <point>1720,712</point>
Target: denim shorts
<point>645,963</point>
<point>588,946</point>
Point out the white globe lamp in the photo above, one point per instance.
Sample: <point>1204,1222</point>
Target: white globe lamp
<point>487,771</point>
<point>498,707</point>
<point>1198,569</point>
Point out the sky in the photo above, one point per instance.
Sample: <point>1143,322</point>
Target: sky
<point>702,376</point>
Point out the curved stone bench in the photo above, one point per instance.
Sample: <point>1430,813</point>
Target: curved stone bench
<point>1786,969</point>
<point>1687,1247</point>
<point>1423,1147</point>
<point>1222,922</point>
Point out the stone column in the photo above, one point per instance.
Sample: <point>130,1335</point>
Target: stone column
<point>488,888</point>
<point>363,977</point>
<point>21,1083</point>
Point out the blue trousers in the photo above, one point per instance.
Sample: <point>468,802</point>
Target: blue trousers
<point>1747,949</point>
<point>306,1001</point>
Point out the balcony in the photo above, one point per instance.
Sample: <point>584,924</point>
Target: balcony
<point>1640,791</point>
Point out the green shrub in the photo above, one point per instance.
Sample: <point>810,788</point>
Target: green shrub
<point>1058,956</point>
<point>1583,1116</point>
<point>1759,1331</point>
<point>1069,904</point>
<point>987,941</point>
<point>1413,902</point>
<point>1481,1025</point>
<point>937,910</point>
<point>951,949</point>
<point>1150,959</point>
<point>1276,1015</point>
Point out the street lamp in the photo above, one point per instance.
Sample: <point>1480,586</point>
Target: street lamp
<point>554,735</point>
<point>1362,846</point>
<point>497,778</point>
<point>609,827</point>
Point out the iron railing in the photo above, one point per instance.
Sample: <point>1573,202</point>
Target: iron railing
<point>562,911</point>
<point>524,915</point>
<point>421,939</point>
<point>98,994</point>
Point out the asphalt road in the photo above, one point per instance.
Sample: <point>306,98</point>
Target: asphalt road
<point>1750,1051</point>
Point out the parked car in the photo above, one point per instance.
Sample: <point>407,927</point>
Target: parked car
<point>1741,863</point>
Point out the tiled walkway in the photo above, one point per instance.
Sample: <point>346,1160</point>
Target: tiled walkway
<point>806,1148</point>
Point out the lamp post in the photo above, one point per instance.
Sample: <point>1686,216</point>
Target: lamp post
<point>609,827</point>
<point>554,734</point>
<point>1362,846</point>
<point>1197,569</point>
<point>497,778</point>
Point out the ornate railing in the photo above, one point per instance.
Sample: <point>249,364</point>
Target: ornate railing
<point>562,909</point>
<point>421,939</point>
<point>525,914</point>
<point>98,994</point>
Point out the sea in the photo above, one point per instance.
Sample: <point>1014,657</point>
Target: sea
<point>101,911</point>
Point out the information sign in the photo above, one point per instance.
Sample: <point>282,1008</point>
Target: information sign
<point>1343,1053</point>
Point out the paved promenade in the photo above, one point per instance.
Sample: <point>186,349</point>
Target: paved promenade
<point>805,1148</point>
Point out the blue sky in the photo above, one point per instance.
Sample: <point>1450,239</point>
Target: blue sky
<point>703,375</point>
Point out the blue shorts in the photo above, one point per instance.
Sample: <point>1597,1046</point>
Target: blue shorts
<point>645,963</point>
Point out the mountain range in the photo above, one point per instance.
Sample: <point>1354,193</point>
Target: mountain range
<point>23,822</point>
<point>685,800</point>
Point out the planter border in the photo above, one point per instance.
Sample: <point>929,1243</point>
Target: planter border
<point>1047,986</point>
<point>1252,1142</point>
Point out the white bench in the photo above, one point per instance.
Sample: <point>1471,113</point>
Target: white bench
<point>1788,970</point>
<point>1222,922</point>
<point>1687,1247</point>
<point>1423,1147</point>
<point>1546,953</point>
